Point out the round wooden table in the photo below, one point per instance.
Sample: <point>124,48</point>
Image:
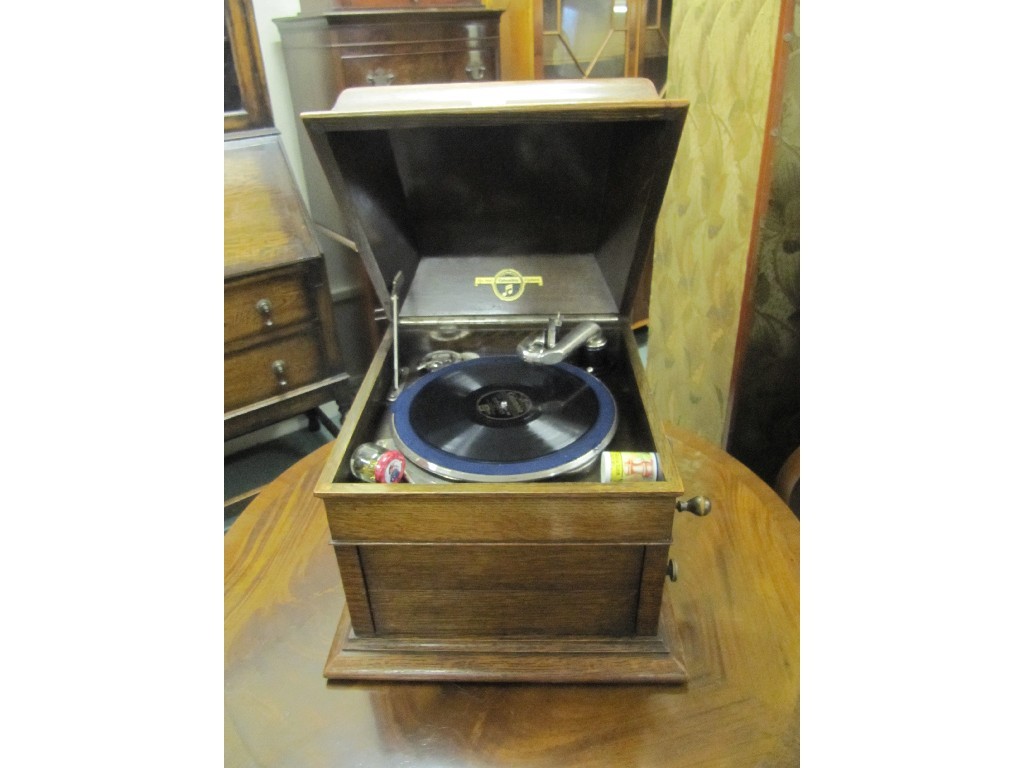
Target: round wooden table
<point>737,601</point>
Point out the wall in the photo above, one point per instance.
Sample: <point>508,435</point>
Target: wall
<point>720,60</point>
<point>265,11</point>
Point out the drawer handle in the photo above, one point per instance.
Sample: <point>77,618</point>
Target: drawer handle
<point>476,70</point>
<point>380,77</point>
<point>264,307</point>
<point>278,368</point>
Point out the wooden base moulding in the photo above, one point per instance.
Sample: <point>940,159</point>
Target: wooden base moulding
<point>633,659</point>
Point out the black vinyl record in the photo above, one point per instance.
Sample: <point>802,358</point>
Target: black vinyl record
<point>504,419</point>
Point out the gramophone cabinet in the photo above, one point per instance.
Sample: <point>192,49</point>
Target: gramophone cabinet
<point>506,208</point>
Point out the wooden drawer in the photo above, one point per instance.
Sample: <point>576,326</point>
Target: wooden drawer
<point>263,304</point>
<point>374,31</point>
<point>424,30</point>
<point>321,6</point>
<point>514,590</point>
<point>426,66</point>
<point>249,376</point>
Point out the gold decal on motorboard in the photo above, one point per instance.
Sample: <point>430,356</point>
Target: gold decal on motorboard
<point>508,284</point>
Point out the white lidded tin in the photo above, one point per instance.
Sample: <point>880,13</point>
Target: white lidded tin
<point>628,466</point>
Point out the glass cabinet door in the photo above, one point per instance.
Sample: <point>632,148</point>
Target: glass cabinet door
<point>654,52</point>
<point>606,38</point>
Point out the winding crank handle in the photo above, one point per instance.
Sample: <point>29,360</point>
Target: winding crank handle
<point>698,505</point>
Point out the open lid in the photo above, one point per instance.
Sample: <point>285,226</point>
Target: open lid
<point>501,198</point>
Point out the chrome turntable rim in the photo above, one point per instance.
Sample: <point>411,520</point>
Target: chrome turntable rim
<point>577,455</point>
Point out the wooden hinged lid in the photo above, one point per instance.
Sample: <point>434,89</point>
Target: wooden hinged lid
<point>265,221</point>
<point>502,199</point>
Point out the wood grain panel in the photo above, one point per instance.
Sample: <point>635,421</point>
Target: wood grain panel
<point>552,568</point>
<point>265,221</point>
<point>508,612</point>
<point>501,590</point>
<point>517,44</point>
<point>515,513</point>
<point>355,589</point>
<point>651,583</point>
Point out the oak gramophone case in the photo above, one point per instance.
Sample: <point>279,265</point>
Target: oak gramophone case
<point>504,227</point>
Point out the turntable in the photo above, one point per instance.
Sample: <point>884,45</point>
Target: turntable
<point>499,419</point>
<point>503,226</point>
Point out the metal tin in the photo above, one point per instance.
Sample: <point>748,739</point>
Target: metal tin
<point>628,466</point>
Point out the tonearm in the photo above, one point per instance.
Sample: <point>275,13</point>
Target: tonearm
<point>545,348</point>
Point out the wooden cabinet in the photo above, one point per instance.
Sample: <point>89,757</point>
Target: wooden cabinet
<point>325,53</point>
<point>324,6</point>
<point>604,38</point>
<point>281,355</point>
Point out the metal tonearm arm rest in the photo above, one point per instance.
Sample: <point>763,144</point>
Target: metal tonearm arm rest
<point>545,348</point>
<point>396,387</point>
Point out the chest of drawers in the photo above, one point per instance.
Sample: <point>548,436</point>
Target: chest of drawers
<point>338,50</point>
<point>281,354</point>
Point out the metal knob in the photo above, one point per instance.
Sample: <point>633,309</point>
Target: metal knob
<point>698,505</point>
<point>278,368</point>
<point>264,307</point>
<point>672,571</point>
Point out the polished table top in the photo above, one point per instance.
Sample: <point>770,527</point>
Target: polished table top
<point>737,601</point>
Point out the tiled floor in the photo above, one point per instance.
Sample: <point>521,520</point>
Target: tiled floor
<point>253,460</point>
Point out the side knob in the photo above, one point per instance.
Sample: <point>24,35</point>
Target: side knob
<point>698,505</point>
<point>672,571</point>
